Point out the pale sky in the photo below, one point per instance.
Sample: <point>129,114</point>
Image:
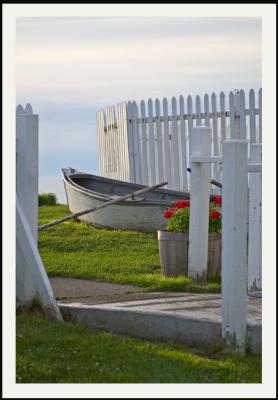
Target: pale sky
<point>68,68</point>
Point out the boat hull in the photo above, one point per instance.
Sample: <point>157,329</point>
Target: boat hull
<point>126,215</point>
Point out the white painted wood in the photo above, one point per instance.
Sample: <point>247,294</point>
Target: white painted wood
<point>183,147</point>
<point>255,224</point>
<point>34,267</point>
<point>232,115</point>
<point>206,109</point>
<point>199,204</point>
<point>151,153</point>
<point>166,144</point>
<point>206,159</point>
<point>130,142</point>
<point>254,167</point>
<point>27,166</point>
<point>136,144</point>
<point>145,165</point>
<point>198,111</point>
<point>216,168</point>
<point>122,127</point>
<point>260,116</point>
<point>222,119</point>
<point>252,116</point>
<point>160,163</point>
<point>105,144</point>
<point>112,142</point>
<point>190,127</point>
<point>175,147</point>
<point>120,149</point>
<point>237,115</point>
<point>234,244</point>
<point>99,139</point>
<point>242,120</point>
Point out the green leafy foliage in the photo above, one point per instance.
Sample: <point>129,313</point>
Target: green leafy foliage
<point>47,199</point>
<point>178,216</point>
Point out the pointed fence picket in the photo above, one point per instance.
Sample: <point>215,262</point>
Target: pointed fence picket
<point>151,142</point>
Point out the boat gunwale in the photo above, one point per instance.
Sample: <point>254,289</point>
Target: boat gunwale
<point>133,202</point>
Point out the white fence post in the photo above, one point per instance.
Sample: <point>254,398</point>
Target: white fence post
<point>31,278</point>
<point>27,126</point>
<point>255,224</point>
<point>27,190</point>
<point>234,244</point>
<point>199,203</point>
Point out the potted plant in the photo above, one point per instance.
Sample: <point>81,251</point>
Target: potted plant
<point>173,242</point>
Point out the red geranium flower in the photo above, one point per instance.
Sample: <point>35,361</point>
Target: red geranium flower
<point>168,213</point>
<point>218,200</point>
<point>183,203</point>
<point>215,214</point>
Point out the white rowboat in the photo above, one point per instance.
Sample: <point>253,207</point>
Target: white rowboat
<point>143,213</point>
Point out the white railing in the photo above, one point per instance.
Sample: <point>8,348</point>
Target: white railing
<point>241,241</point>
<point>151,142</point>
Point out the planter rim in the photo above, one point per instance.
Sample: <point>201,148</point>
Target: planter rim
<point>177,236</point>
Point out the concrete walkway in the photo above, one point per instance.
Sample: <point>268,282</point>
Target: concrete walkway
<point>187,318</point>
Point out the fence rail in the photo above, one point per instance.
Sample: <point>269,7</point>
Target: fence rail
<point>149,142</point>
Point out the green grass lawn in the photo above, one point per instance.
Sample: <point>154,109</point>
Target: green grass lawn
<point>77,250</point>
<point>61,352</point>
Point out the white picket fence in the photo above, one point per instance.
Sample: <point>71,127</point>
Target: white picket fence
<point>241,255</point>
<point>151,142</point>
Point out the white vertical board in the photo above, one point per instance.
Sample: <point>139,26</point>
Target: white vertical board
<point>119,118</point>
<point>237,115</point>
<point>136,145</point>
<point>234,244</point>
<point>27,164</point>
<point>33,267</point>
<point>166,144</point>
<point>122,129</point>
<point>130,142</point>
<point>160,163</point>
<point>183,147</point>
<point>151,144</point>
<point>215,141</point>
<point>190,127</point>
<point>255,223</point>
<point>260,116</point>
<point>198,111</point>
<point>175,147</point>
<point>232,115</point>
<point>144,149</point>
<point>252,116</point>
<point>206,109</point>
<point>199,204</point>
<point>222,119</point>
<point>242,120</point>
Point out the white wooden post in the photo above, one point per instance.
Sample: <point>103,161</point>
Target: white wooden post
<point>31,278</point>
<point>27,166</point>
<point>234,244</point>
<point>255,224</point>
<point>199,203</point>
<point>33,264</point>
<point>27,191</point>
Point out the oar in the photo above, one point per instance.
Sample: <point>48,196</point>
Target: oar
<point>108,203</point>
<point>213,182</point>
